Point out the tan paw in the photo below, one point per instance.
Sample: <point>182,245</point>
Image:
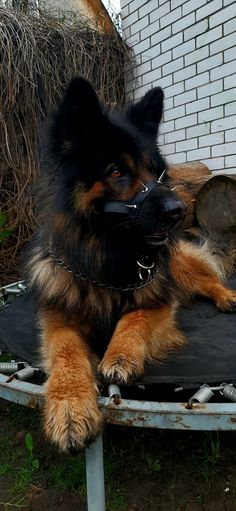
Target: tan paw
<point>227,302</point>
<point>120,368</point>
<point>70,422</point>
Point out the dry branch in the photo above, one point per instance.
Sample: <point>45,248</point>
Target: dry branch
<point>38,56</point>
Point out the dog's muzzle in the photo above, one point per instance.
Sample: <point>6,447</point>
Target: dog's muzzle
<point>172,209</point>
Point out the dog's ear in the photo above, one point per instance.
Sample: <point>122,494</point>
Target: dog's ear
<point>146,114</point>
<point>77,117</point>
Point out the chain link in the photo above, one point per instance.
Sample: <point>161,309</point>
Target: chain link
<point>130,287</point>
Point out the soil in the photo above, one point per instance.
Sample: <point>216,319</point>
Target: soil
<point>145,470</point>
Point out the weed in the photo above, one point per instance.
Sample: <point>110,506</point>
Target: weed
<point>153,463</point>
<point>69,473</point>
<point>208,463</point>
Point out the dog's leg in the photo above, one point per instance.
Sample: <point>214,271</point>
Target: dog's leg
<point>197,272</point>
<point>71,412</point>
<point>140,335</point>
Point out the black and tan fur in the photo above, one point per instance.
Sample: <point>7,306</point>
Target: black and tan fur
<point>94,156</point>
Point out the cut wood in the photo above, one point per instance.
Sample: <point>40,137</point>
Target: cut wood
<point>216,204</point>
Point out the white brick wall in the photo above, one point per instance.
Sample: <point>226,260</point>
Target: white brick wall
<point>188,47</point>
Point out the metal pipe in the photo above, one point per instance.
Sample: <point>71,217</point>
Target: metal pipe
<point>95,476</point>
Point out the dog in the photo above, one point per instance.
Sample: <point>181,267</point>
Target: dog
<point>105,267</point>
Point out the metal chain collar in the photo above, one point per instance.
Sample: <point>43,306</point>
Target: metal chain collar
<point>148,280</point>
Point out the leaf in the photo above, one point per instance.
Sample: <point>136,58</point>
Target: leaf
<point>35,463</point>
<point>5,234</point>
<point>29,443</point>
<point>3,219</point>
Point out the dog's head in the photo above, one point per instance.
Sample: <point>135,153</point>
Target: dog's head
<point>110,166</point>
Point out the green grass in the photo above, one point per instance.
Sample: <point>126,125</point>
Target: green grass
<point>208,463</point>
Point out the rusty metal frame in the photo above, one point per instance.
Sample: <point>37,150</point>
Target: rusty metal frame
<point>126,412</point>
<point>146,414</point>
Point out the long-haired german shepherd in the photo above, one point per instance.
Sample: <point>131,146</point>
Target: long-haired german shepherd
<point>104,268</point>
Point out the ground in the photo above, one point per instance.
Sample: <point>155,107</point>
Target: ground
<point>145,470</point>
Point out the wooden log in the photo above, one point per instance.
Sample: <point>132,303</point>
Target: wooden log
<point>187,179</point>
<point>216,204</point>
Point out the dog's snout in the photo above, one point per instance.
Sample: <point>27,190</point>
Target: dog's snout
<point>174,208</point>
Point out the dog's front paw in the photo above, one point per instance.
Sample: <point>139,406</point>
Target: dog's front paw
<point>227,301</point>
<point>121,368</point>
<point>71,421</point>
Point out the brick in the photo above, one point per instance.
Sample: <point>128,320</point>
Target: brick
<point>169,103</point>
<point>187,120</point>
<point>144,68</point>
<point>125,11</point>
<point>175,113</point>
<point>152,75</point>
<point>212,139</point>
<point>223,71</point>
<point>163,82</point>
<point>123,3</point>
<point>192,6</point>
<point>186,97</point>
<point>168,149</point>
<point>211,7</point>
<point>157,13</point>
<point>184,48</point>
<point>229,81</point>
<point>230,108</point>
<point>171,42</point>
<point>223,43</point>
<point>223,124</point>
<point>197,106</point>
<point>139,48</point>
<point>198,154</point>
<point>229,26</point>
<point>195,30</point>
<point>230,135</point>
<point>198,130</point>
<point>170,18</point>
<point>177,158</point>
<point>135,4</point>
<point>196,81</point>
<point>211,114</point>
<point>230,54</point>
<point>175,136</point>
<point>210,88</point>
<point>224,171</point>
<point>174,90</point>
<point>211,62</point>
<point>150,30</point>
<point>214,163</point>
<point>162,59</point>
<point>161,35</point>
<point>185,22</point>
<point>147,8</point>
<point>166,127</point>
<point>173,66</point>
<point>186,145</point>
<point>223,15</point>
<point>196,56</point>
<point>132,18</point>
<point>177,3</point>
<point>185,73</point>
<point>230,161</point>
<point>140,91</point>
<point>209,36</point>
<point>223,97</point>
<point>139,25</point>
<point>223,149</point>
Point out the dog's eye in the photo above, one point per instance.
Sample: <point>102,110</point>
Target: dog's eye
<point>115,172</point>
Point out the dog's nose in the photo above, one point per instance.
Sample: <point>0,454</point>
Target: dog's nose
<point>173,210</point>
